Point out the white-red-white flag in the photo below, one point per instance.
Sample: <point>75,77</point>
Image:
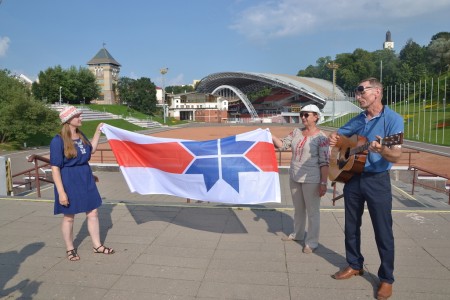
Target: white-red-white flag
<point>240,169</point>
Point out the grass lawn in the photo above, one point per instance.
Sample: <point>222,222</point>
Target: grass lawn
<point>429,125</point>
<point>89,127</point>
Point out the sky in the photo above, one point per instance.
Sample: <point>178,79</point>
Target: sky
<point>196,38</point>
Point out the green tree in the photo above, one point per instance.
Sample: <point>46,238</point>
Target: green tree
<point>88,89</point>
<point>439,53</point>
<point>364,64</point>
<point>415,57</point>
<point>442,34</point>
<point>77,85</point>
<point>413,63</point>
<point>320,70</point>
<point>145,93</point>
<point>139,94</point>
<point>21,115</point>
<point>179,89</point>
<point>346,77</point>
<point>263,92</point>
<point>353,67</point>
<point>125,88</point>
<point>47,88</point>
<point>387,66</point>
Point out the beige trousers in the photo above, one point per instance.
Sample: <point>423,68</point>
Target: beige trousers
<point>306,200</point>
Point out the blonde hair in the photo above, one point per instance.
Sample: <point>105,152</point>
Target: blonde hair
<point>66,135</point>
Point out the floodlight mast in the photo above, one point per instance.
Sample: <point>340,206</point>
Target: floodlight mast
<point>163,72</point>
<point>333,66</point>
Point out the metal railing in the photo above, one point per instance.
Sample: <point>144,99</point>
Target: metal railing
<point>284,157</point>
<point>415,178</point>
<point>103,156</point>
<point>409,152</point>
<point>33,174</point>
<point>426,172</point>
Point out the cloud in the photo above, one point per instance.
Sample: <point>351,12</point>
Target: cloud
<point>133,75</point>
<point>4,45</point>
<point>269,20</point>
<point>287,18</point>
<point>170,81</point>
<point>178,80</point>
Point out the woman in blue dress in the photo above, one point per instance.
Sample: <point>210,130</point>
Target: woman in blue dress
<point>75,188</point>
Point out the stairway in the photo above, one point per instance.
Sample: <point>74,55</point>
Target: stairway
<point>90,115</point>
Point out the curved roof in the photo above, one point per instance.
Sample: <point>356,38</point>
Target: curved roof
<point>315,89</point>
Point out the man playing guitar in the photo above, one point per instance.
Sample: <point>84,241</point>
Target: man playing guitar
<point>372,185</point>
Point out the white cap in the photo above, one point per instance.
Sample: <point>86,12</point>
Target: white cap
<point>314,108</point>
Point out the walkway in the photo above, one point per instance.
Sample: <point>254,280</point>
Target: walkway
<point>169,249</point>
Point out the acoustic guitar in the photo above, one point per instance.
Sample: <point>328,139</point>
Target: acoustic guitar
<point>349,155</point>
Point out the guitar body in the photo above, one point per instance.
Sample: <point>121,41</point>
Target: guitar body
<point>343,164</point>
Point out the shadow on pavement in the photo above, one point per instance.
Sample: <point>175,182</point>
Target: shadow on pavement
<point>104,217</point>
<point>204,218</point>
<point>11,262</point>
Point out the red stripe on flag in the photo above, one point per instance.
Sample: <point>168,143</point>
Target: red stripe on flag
<point>168,157</point>
<point>263,155</point>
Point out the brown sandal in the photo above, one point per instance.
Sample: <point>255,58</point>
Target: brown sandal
<point>106,250</point>
<point>72,255</point>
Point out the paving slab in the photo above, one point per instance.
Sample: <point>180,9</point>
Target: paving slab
<point>170,249</point>
<point>167,248</point>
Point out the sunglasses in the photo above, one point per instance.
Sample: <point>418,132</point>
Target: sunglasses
<point>360,90</point>
<point>304,114</point>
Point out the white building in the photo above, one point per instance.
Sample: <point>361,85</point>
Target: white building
<point>195,106</point>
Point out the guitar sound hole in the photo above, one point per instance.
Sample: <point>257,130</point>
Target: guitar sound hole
<point>343,161</point>
<point>347,153</point>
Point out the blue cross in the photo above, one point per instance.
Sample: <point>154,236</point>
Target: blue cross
<point>220,159</point>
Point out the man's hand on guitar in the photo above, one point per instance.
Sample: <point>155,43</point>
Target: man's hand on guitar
<point>376,147</point>
<point>391,151</point>
<point>333,138</point>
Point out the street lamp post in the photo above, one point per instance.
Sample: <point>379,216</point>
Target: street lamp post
<point>60,87</point>
<point>334,66</point>
<point>163,72</point>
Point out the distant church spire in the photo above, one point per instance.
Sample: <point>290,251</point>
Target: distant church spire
<point>388,37</point>
<point>388,43</point>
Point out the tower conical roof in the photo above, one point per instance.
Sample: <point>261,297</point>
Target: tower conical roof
<point>103,57</point>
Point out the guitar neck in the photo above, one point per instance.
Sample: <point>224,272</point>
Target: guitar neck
<point>360,148</point>
<point>398,139</point>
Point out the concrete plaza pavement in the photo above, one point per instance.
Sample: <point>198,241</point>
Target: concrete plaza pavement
<point>169,249</point>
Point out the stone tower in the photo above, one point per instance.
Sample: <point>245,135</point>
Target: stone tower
<point>388,43</point>
<point>106,70</point>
